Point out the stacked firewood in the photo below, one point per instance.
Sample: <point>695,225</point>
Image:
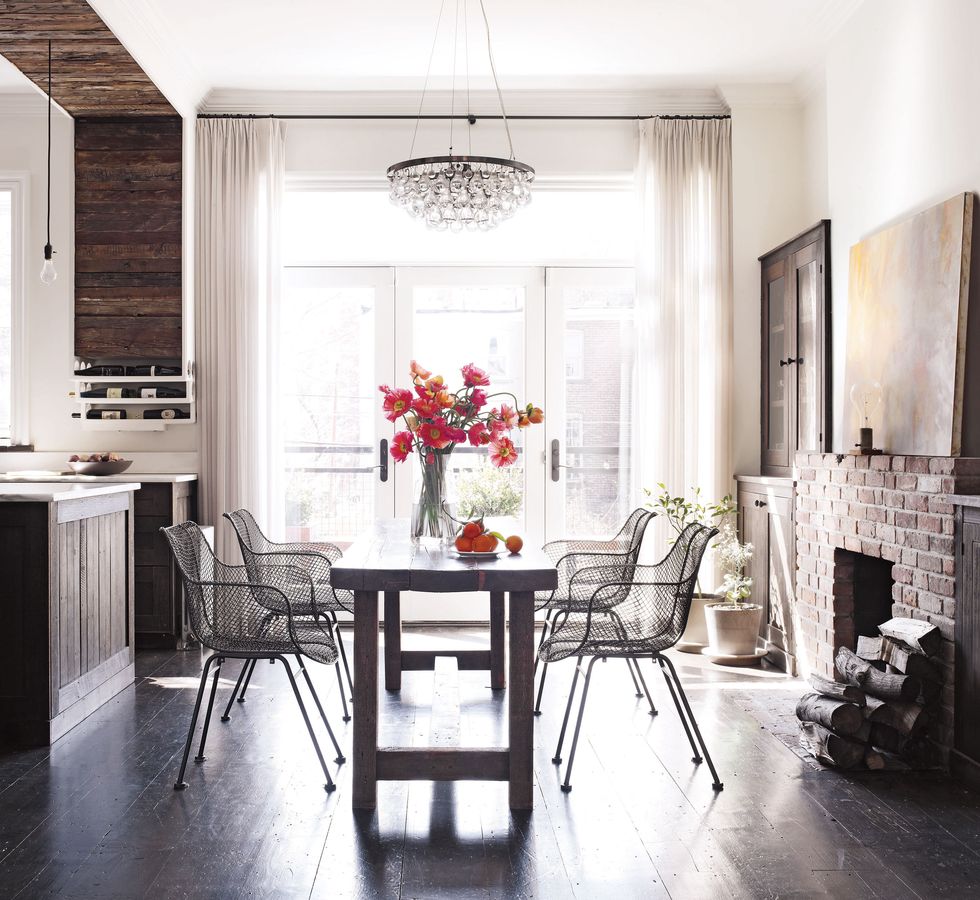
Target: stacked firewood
<point>884,705</point>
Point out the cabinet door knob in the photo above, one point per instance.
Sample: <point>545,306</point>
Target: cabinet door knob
<point>760,502</point>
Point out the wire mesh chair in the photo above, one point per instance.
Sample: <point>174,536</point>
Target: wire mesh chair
<point>632,617</point>
<point>228,609</point>
<point>570,558</point>
<point>314,558</point>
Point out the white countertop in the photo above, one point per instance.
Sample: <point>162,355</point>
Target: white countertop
<point>72,478</point>
<point>47,493</point>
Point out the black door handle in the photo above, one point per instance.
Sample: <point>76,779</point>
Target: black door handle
<point>382,467</point>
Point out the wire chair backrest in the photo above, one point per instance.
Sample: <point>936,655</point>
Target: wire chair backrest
<point>223,607</point>
<point>250,536</point>
<point>631,538</point>
<point>678,573</point>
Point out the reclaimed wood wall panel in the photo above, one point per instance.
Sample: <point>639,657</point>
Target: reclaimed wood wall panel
<point>93,74</point>
<point>128,228</point>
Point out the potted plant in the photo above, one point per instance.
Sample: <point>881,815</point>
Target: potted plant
<point>733,625</point>
<point>679,512</point>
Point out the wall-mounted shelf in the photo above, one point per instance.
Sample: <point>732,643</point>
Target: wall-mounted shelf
<point>185,404</point>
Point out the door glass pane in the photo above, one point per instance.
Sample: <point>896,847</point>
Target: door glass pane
<point>599,354</point>
<point>809,413</point>
<point>6,288</point>
<point>455,324</point>
<point>330,406</point>
<point>777,373</point>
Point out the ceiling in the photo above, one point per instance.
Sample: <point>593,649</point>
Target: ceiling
<point>93,74</point>
<point>192,48</point>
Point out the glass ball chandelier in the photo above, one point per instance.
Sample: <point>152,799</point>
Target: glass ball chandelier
<point>456,192</point>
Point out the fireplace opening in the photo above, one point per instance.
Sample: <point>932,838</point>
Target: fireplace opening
<point>862,595</point>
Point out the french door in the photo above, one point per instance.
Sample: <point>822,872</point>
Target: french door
<point>561,338</point>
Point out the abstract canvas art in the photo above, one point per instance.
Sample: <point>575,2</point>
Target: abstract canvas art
<point>908,295</point>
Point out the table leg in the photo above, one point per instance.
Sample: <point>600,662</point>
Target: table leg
<point>520,698</point>
<point>365,751</point>
<point>393,641</point>
<point>498,653</point>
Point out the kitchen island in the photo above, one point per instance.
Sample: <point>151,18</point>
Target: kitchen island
<point>66,597</point>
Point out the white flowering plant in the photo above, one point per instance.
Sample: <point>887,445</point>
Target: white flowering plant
<point>733,557</point>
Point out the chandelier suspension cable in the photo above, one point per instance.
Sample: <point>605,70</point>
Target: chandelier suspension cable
<point>466,56</point>
<point>496,83</point>
<point>49,145</point>
<point>452,95</point>
<point>425,84</point>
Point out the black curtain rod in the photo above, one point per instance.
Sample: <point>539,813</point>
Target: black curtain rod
<point>472,118</point>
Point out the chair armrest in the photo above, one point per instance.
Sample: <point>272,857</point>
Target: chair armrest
<point>323,548</point>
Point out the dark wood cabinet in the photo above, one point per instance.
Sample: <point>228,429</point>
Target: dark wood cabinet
<point>159,597</point>
<point>766,520</point>
<point>796,349</point>
<point>965,757</point>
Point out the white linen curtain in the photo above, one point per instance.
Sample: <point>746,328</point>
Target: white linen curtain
<point>682,398</point>
<point>240,182</point>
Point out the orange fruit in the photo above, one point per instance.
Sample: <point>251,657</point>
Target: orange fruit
<point>472,530</point>
<point>483,543</point>
<point>493,541</point>
<point>514,543</point>
<point>464,544</point>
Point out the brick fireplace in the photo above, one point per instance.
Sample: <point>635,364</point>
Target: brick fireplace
<point>852,509</point>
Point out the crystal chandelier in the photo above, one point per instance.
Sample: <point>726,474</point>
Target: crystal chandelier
<point>456,192</point>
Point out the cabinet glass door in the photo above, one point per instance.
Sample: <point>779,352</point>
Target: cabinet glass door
<point>777,352</point>
<point>809,341</point>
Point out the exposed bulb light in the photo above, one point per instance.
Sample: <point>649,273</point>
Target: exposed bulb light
<point>48,271</point>
<point>456,192</point>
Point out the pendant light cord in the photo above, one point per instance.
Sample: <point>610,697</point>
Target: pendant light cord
<point>425,84</point>
<point>496,84</point>
<point>49,144</point>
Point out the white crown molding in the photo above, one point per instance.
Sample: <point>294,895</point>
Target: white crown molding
<point>757,95</point>
<point>811,84</point>
<point>833,14</point>
<point>700,101</point>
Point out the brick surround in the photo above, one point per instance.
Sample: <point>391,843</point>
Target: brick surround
<point>890,507</point>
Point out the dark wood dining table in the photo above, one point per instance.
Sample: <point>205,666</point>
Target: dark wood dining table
<point>387,561</point>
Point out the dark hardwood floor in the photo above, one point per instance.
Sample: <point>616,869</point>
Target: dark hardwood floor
<point>96,816</point>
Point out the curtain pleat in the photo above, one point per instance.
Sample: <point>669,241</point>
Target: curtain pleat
<point>240,183</point>
<point>682,408</point>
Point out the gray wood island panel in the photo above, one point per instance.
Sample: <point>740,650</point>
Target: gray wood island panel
<point>66,600</point>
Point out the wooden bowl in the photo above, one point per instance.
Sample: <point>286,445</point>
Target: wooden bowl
<point>113,467</point>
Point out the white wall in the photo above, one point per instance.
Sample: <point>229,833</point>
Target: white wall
<point>23,135</point>
<point>768,208</point>
<point>902,128</point>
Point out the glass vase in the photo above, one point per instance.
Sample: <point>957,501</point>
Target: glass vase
<point>431,513</point>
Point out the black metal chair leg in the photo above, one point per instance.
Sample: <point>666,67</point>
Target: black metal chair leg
<point>316,699</point>
<point>717,785</point>
<point>636,684</point>
<point>207,716</point>
<point>343,693</point>
<point>556,759</point>
<point>680,712</point>
<point>544,637</point>
<point>234,693</point>
<point>567,786</point>
<point>329,786</point>
<point>343,659</point>
<point>646,690</point>
<point>248,678</point>
<point>544,668</point>
<point>180,784</point>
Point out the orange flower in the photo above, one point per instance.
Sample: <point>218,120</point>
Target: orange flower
<point>418,371</point>
<point>535,414</point>
<point>445,399</point>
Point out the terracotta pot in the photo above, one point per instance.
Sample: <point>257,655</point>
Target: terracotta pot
<point>733,630</point>
<point>695,636</point>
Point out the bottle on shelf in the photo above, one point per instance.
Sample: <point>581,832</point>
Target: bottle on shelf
<point>153,371</point>
<point>108,393</point>
<point>166,414</point>
<point>102,371</point>
<point>147,393</point>
<point>106,414</point>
